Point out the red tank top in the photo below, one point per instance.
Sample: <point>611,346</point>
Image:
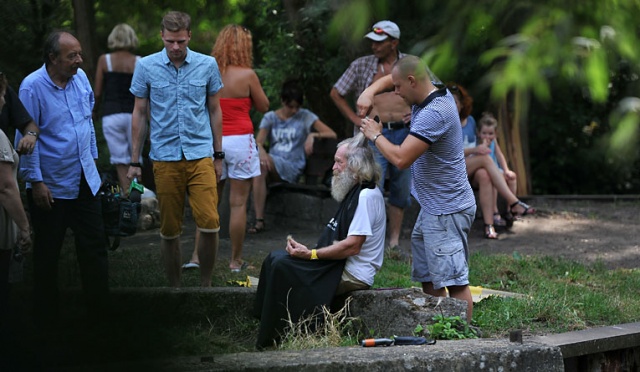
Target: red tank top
<point>235,116</point>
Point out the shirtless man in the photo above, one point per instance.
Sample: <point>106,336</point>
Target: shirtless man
<point>391,110</point>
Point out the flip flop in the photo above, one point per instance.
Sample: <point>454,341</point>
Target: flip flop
<point>257,229</point>
<point>244,266</point>
<point>190,265</point>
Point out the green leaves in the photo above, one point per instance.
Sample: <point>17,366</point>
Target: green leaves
<point>450,328</point>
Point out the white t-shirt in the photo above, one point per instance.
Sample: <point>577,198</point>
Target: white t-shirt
<point>370,220</point>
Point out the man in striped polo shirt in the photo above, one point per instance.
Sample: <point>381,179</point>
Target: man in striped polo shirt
<point>434,151</point>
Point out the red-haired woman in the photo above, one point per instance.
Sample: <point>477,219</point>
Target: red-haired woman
<point>242,90</point>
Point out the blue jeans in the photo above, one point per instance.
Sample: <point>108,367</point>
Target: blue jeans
<point>399,180</point>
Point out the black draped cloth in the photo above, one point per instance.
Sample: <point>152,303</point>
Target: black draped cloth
<point>295,288</point>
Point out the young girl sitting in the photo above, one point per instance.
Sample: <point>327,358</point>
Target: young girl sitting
<point>487,126</point>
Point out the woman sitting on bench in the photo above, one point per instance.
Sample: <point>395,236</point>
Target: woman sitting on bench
<point>288,131</point>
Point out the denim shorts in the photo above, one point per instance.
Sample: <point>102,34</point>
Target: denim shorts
<point>399,180</point>
<point>440,248</point>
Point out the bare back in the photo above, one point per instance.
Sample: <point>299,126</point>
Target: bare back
<point>242,82</point>
<point>122,61</point>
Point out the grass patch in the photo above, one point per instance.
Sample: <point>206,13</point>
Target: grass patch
<point>560,296</point>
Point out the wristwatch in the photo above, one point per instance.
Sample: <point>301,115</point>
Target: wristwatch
<point>32,133</point>
<point>218,154</point>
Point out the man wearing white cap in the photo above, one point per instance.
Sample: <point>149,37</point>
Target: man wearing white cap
<point>391,110</point>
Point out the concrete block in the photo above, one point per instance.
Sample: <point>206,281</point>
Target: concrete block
<point>595,340</point>
<point>398,311</point>
<point>462,355</point>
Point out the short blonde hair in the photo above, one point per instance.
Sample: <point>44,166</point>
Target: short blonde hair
<point>122,37</point>
<point>233,47</point>
<point>487,120</point>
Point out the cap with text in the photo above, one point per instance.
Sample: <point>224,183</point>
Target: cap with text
<point>383,30</point>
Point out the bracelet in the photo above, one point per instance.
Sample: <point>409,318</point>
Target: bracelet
<point>137,165</point>
<point>32,133</point>
<point>375,138</point>
<point>314,254</point>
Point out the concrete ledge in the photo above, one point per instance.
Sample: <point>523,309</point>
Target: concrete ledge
<point>463,355</point>
<point>594,340</point>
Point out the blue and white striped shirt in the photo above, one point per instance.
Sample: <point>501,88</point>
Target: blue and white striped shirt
<point>439,175</point>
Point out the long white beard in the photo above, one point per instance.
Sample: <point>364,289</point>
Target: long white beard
<point>341,184</point>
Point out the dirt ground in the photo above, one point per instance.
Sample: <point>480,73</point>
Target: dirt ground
<point>585,231</point>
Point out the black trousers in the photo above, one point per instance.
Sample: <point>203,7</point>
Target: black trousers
<point>84,217</point>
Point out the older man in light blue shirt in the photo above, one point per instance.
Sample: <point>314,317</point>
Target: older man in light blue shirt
<point>181,88</point>
<point>61,176</point>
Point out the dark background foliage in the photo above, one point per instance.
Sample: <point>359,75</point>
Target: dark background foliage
<point>568,132</point>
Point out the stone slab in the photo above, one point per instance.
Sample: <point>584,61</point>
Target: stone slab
<point>594,340</point>
<point>462,355</point>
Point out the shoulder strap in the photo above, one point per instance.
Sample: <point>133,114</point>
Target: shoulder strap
<point>107,57</point>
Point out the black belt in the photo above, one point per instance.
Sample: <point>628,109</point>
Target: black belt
<point>391,125</point>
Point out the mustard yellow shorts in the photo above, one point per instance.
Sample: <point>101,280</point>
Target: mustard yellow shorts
<point>176,179</point>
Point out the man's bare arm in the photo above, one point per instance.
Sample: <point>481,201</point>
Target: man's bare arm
<point>215,120</point>
<point>138,134</point>
<point>402,155</point>
<point>365,101</point>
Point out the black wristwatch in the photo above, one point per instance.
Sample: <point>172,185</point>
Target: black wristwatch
<point>218,154</point>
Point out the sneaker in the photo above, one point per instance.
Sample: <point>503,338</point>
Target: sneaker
<point>190,265</point>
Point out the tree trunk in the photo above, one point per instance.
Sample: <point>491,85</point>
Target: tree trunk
<point>513,138</point>
<point>84,18</point>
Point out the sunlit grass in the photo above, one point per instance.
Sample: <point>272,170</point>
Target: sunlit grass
<point>561,295</point>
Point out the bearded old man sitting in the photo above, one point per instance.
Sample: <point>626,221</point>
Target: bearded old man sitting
<point>298,281</point>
